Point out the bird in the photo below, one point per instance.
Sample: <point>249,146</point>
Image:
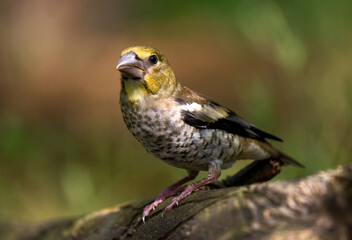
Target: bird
<point>184,128</point>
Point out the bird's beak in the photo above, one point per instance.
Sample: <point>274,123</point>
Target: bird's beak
<point>131,66</point>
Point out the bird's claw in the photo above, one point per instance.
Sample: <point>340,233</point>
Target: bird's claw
<point>147,210</point>
<point>151,207</point>
<point>171,205</point>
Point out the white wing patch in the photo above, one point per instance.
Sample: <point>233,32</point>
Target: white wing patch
<point>207,112</point>
<point>192,107</point>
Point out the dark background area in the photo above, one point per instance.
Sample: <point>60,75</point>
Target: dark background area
<point>64,149</point>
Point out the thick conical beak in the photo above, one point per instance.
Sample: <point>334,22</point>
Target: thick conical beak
<point>131,66</point>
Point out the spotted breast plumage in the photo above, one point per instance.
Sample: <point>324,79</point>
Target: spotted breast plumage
<point>182,127</point>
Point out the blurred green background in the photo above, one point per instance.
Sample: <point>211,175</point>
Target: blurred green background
<point>64,149</point>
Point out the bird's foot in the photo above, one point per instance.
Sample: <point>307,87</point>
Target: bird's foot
<point>167,192</point>
<point>188,190</point>
<point>213,175</point>
<point>151,207</point>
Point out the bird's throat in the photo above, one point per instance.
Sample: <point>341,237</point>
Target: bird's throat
<point>134,90</point>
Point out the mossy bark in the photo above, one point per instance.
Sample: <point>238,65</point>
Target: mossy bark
<point>315,207</point>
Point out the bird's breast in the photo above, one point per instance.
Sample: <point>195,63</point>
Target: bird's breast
<point>161,130</point>
<point>155,125</point>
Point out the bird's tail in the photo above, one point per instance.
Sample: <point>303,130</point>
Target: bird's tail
<point>287,160</point>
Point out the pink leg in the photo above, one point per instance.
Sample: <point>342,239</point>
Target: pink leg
<point>214,174</point>
<point>169,191</point>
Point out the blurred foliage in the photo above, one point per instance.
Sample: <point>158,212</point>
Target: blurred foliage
<point>64,149</point>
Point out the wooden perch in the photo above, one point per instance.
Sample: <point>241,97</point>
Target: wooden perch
<point>315,207</point>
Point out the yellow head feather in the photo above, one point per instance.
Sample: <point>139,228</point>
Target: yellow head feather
<point>159,80</point>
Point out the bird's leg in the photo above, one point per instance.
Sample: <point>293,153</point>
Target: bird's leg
<point>169,191</point>
<point>213,175</point>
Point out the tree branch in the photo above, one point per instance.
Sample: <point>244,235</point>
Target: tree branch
<point>315,207</point>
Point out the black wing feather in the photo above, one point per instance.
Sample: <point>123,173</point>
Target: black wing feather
<point>232,123</point>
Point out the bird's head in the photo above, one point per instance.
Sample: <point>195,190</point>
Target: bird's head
<point>145,71</point>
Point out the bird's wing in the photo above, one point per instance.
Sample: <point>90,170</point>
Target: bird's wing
<point>202,113</point>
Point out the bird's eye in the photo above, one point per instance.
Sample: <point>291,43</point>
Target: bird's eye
<point>153,59</point>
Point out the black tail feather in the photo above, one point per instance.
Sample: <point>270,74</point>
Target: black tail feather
<point>289,161</point>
